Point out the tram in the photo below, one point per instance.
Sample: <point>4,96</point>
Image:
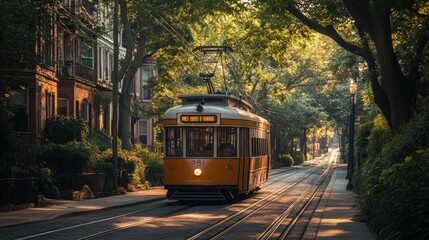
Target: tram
<point>215,148</point>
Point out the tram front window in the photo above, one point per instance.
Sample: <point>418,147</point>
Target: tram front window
<point>227,142</point>
<point>199,142</point>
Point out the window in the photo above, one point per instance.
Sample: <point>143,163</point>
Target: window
<point>259,142</point>
<point>173,142</point>
<point>109,66</point>
<point>100,63</point>
<point>146,76</point>
<point>199,141</point>
<point>50,104</point>
<point>227,142</point>
<point>86,55</point>
<point>143,124</point>
<point>84,110</point>
<point>63,107</point>
<point>19,102</point>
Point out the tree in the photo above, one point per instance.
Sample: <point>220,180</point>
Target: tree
<point>369,29</point>
<point>144,35</point>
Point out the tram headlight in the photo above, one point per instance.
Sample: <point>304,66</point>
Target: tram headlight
<point>197,172</point>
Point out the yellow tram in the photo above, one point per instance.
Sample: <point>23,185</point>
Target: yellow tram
<point>215,148</point>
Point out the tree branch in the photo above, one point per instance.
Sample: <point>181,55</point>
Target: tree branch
<point>328,31</point>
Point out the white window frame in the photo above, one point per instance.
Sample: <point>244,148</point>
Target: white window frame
<point>84,57</point>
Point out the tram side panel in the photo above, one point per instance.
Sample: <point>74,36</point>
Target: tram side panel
<point>258,171</point>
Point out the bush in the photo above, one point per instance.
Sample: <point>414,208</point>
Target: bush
<point>71,158</point>
<point>402,193</point>
<point>154,171</point>
<point>298,158</point>
<point>130,167</point>
<point>393,182</point>
<point>98,139</point>
<point>63,129</point>
<point>286,160</point>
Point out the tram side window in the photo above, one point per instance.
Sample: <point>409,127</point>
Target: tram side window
<point>226,142</point>
<point>173,142</point>
<point>259,146</point>
<point>199,141</point>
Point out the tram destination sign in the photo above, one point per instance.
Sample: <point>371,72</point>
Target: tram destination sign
<point>212,118</point>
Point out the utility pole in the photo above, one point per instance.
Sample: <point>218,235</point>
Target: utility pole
<point>115,95</point>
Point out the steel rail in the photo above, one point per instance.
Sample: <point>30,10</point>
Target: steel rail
<point>252,209</point>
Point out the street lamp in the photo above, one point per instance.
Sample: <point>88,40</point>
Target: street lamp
<point>350,165</point>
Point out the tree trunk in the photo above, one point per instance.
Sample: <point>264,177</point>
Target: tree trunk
<point>399,92</point>
<point>304,151</point>
<point>132,61</point>
<point>125,120</point>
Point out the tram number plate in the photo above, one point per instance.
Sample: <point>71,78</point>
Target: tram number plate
<point>198,162</point>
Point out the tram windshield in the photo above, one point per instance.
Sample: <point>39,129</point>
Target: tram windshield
<point>199,141</point>
<point>227,142</point>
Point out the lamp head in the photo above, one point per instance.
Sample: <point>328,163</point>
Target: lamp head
<point>352,87</point>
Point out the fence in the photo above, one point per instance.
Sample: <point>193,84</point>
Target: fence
<point>17,191</point>
<point>100,183</point>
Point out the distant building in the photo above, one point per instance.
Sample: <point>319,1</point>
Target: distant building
<point>142,126</point>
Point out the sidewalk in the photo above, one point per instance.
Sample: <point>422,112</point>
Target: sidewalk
<point>334,217</point>
<point>70,208</point>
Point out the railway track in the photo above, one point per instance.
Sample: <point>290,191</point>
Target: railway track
<point>163,204</point>
<point>220,229</point>
<point>162,214</point>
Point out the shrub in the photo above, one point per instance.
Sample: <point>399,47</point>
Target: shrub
<point>286,160</point>
<point>394,181</point>
<point>412,136</point>
<point>130,167</point>
<point>402,193</point>
<point>154,171</point>
<point>100,140</point>
<point>380,135</point>
<point>73,157</point>
<point>63,129</point>
<point>298,158</point>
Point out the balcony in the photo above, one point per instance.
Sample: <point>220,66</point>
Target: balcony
<point>85,10</point>
<point>74,69</point>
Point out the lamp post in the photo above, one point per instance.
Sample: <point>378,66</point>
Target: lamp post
<point>350,165</point>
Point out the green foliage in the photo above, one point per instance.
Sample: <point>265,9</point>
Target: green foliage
<point>393,181</point>
<point>154,170</point>
<point>8,138</point>
<point>131,168</point>
<point>63,129</point>
<point>70,158</point>
<point>99,140</point>
<point>402,193</point>
<point>380,135</point>
<point>412,136</point>
<point>361,138</point>
<point>18,21</point>
<point>286,160</point>
<point>298,158</point>
<point>46,176</point>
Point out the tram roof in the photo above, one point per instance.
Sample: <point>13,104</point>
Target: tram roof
<point>229,106</point>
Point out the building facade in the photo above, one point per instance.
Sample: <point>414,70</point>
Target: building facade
<point>73,76</point>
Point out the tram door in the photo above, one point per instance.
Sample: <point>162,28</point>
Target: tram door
<point>244,159</point>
